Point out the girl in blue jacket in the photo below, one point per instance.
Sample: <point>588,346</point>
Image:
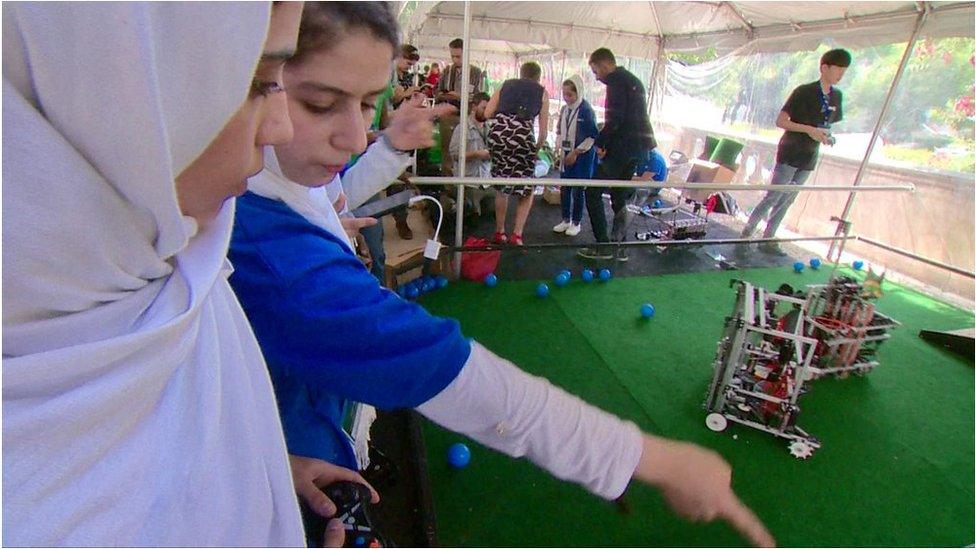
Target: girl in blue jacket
<point>576,134</point>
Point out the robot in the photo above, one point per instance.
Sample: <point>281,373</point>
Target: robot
<point>847,326</point>
<point>773,344</point>
<point>761,366</point>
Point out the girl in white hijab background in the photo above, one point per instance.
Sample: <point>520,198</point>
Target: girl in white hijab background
<point>137,409</point>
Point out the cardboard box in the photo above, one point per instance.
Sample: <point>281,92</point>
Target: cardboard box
<point>703,171</point>
<point>551,195</point>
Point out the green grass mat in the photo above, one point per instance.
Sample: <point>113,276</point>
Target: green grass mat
<point>896,466</point>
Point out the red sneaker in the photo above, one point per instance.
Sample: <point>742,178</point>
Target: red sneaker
<point>516,240</point>
<point>499,238</point>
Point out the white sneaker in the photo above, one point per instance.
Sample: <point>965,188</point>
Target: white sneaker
<point>573,230</point>
<point>561,228</point>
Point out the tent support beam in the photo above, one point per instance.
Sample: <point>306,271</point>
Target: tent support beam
<point>503,20</point>
<point>657,73</point>
<point>844,219</point>
<point>463,123</point>
<point>657,21</point>
<point>559,86</point>
<point>749,28</point>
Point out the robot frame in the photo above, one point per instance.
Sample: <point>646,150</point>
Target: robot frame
<point>775,343</point>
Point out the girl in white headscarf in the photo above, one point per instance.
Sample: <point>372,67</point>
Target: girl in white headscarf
<point>137,408</point>
<point>575,137</point>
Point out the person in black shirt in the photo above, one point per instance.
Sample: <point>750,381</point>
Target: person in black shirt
<point>405,82</point>
<point>807,117</point>
<point>625,138</point>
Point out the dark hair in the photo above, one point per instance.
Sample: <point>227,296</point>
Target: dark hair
<point>456,44</point>
<point>479,97</point>
<point>530,70</point>
<point>571,84</point>
<point>602,54</point>
<point>323,23</point>
<point>409,52</point>
<point>838,58</point>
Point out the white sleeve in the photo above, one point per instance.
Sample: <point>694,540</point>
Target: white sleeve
<point>585,145</point>
<point>504,408</point>
<point>373,172</point>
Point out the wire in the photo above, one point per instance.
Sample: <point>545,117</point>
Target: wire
<point>440,209</point>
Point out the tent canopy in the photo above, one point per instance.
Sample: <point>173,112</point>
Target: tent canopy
<point>638,29</point>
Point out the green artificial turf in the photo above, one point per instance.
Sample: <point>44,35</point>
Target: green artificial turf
<point>896,467</point>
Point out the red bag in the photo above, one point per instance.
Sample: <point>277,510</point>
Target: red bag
<point>477,265</point>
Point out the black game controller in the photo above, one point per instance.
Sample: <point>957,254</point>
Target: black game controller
<point>353,509</point>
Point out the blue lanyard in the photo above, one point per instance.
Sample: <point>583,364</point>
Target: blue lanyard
<point>825,104</point>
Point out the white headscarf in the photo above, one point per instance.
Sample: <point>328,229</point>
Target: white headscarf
<point>315,204</point>
<point>136,407</point>
<point>567,127</point>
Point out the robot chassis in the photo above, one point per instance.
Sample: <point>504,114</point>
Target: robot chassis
<point>775,343</point>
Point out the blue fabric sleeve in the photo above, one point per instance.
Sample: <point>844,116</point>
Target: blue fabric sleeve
<point>323,320</point>
<point>587,123</point>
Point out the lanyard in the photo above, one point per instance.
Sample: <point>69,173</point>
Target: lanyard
<point>825,104</point>
<point>570,120</point>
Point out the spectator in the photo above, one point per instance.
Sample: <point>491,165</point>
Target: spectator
<point>449,91</point>
<point>575,137</point>
<point>626,136</point>
<point>137,409</point>
<point>652,167</point>
<point>478,159</point>
<point>806,117</point>
<point>404,81</point>
<point>514,149</point>
<point>433,78</point>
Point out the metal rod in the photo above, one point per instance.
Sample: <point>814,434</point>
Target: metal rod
<point>463,126</point>
<point>639,243</point>
<point>659,66</point>
<point>862,169</point>
<point>652,184</point>
<point>923,259</point>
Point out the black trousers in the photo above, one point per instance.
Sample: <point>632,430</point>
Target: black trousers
<point>620,168</point>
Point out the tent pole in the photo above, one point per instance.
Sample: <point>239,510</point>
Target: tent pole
<point>655,76</point>
<point>844,219</point>
<point>463,126</point>
<point>562,78</point>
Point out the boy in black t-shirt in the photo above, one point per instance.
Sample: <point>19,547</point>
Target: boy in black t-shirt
<point>807,116</point>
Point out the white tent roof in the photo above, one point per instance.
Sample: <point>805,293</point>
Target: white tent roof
<point>635,29</point>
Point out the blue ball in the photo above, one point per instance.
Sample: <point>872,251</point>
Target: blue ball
<point>562,280</point>
<point>858,265</point>
<point>441,281</point>
<point>604,275</point>
<point>567,272</point>
<point>458,455</point>
<point>412,291</point>
<point>647,310</point>
<point>815,263</point>
<point>360,541</point>
<point>798,266</point>
<point>542,290</point>
<point>491,280</point>
<point>658,203</point>
<point>587,275</point>
<point>427,285</point>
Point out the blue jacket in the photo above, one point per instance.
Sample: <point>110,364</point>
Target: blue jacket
<point>585,127</point>
<point>329,332</point>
